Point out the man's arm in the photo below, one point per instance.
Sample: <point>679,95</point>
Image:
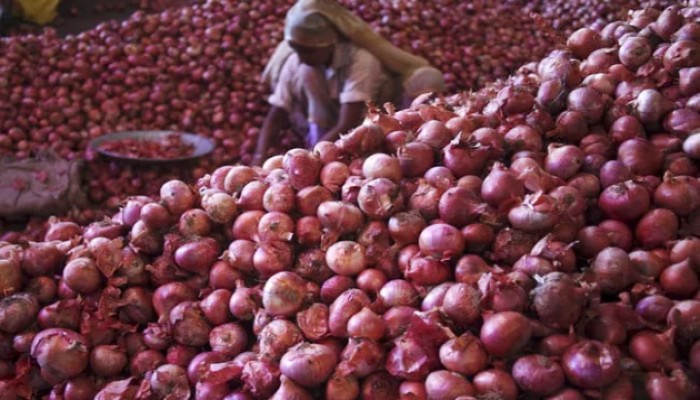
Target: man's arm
<point>276,120</point>
<point>350,116</point>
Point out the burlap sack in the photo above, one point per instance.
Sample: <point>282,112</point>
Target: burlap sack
<point>41,186</point>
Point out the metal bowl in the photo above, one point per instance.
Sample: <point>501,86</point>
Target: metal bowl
<point>202,146</point>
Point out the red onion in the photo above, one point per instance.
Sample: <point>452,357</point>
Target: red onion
<point>537,374</point>
<point>500,185</point>
<point>656,228</point>
<point>346,258</point>
<point>441,241</point>
<point>333,175</point>
<point>681,54</point>
<point>361,357</point>
<point>556,345</point>
<point>237,177</point>
<point>459,206</point>
<point>571,126</point>
<point>177,197</point>
<point>378,386</point>
<point>380,198</point>
<point>495,382</point>
<point>65,230</point>
<point>308,231</point>
<point>563,160</point>
<point>340,217</point>
<point>283,294</point>
<point>679,280</point>
<point>434,133</point>
<point>694,357</point>
<point>691,146</point>
<point>169,295</point>
<point>334,286</point>
<point>107,360</point>
<point>558,301</point>
<point>537,212</point>
<point>189,325</point>
<point>405,227</point>
<point>583,41</point>
<point>197,256</point>
<point>308,364</point>
<point>613,270</point>
<point>652,350</point>
<point>82,275</point>
<point>366,324</point>
<point>477,237</point>
<point>313,321</point>
<point>447,385</point>
<point>523,138</point>
<point>415,159</point>
<point>341,387</point>
<point>279,197</point>
<point>41,259</point>
<point>461,304</point>
<point>272,257</point>
<point>251,196</point>
<point>194,222</point>
<point>464,355</point>
<point>680,194</point>
<point>364,139</point>
<point>435,297</point>
<point>505,333</point>
<point>309,198</point>
<point>144,361</point>
<point>275,226</point>
<point>223,276</point>
<point>396,320</point>
<point>682,122</point>
<point>60,353</point>
<point>382,166</point>
<point>180,355</point>
<point>590,364</point>
<point>626,201</point>
<point>588,102</point>
<point>343,308</point>
<point>659,386</point>
<point>426,271</point>
<point>465,157</point>
<point>614,172</point>
<point>17,312</point>
<point>169,380</point>
<point>551,95</point>
<point>303,168</point>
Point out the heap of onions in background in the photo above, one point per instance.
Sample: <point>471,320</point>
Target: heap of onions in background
<point>195,69</point>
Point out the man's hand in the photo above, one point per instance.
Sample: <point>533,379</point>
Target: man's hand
<point>277,119</point>
<point>351,116</point>
<point>257,161</point>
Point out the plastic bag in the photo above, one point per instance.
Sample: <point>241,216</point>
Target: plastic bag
<point>42,186</point>
<point>40,12</point>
